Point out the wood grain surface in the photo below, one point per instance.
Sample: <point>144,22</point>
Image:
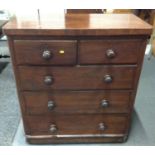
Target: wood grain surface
<point>63,52</point>
<point>77,124</point>
<point>76,78</point>
<point>71,102</point>
<point>78,24</point>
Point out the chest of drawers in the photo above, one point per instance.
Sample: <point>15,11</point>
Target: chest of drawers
<point>77,75</point>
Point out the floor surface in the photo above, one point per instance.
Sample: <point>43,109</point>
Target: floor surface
<point>9,108</point>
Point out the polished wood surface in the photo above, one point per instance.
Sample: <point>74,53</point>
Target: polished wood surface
<point>78,24</point>
<point>125,51</point>
<point>76,140</point>
<point>77,124</point>
<point>76,78</point>
<point>71,102</point>
<point>31,52</point>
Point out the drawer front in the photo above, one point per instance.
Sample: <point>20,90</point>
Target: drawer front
<point>76,78</point>
<point>108,51</point>
<point>76,124</point>
<point>76,102</point>
<point>37,52</point>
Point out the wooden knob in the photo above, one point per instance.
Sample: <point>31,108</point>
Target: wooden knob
<point>104,103</point>
<point>101,126</point>
<point>48,80</point>
<point>51,105</point>
<point>47,54</point>
<point>110,53</point>
<point>107,79</point>
<point>53,128</point>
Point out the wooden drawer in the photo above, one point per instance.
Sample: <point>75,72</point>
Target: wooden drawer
<point>76,102</point>
<point>37,52</point>
<point>108,51</point>
<point>76,78</point>
<point>76,124</point>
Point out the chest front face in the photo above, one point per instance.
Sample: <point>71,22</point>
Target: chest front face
<point>77,83</point>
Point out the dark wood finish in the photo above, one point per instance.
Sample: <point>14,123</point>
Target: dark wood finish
<point>88,95</point>
<point>78,25</point>
<point>76,78</point>
<point>96,51</point>
<point>63,140</point>
<point>76,124</point>
<point>76,102</point>
<point>31,52</point>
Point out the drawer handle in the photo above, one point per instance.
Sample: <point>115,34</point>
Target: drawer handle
<point>47,54</point>
<point>48,80</point>
<point>108,78</point>
<point>104,103</point>
<point>102,126</point>
<point>53,128</point>
<point>51,105</point>
<point>110,54</point>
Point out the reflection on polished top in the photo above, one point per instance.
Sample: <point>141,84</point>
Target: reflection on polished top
<point>78,24</point>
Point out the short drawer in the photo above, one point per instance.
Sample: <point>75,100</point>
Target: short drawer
<point>76,124</point>
<point>37,52</point>
<point>108,51</point>
<point>76,102</point>
<point>76,78</point>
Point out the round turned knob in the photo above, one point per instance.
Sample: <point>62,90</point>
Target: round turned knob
<point>53,128</point>
<point>48,80</point>
<point>110,53</point>
<point>104,103</point>
<point>101,126</point>
<point>51,105</point>
<point>107,79</point>
<point>47,54</point>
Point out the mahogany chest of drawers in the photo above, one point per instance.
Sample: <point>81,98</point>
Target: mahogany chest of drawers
<point>77,75</point>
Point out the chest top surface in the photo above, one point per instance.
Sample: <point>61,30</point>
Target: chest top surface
<point>78,24</point>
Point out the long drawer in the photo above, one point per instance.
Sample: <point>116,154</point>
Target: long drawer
<point>46,52</point>
<point>109,51</point>
<point>38,103</point>
<point>76,124</point>
<point>76,78</point>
